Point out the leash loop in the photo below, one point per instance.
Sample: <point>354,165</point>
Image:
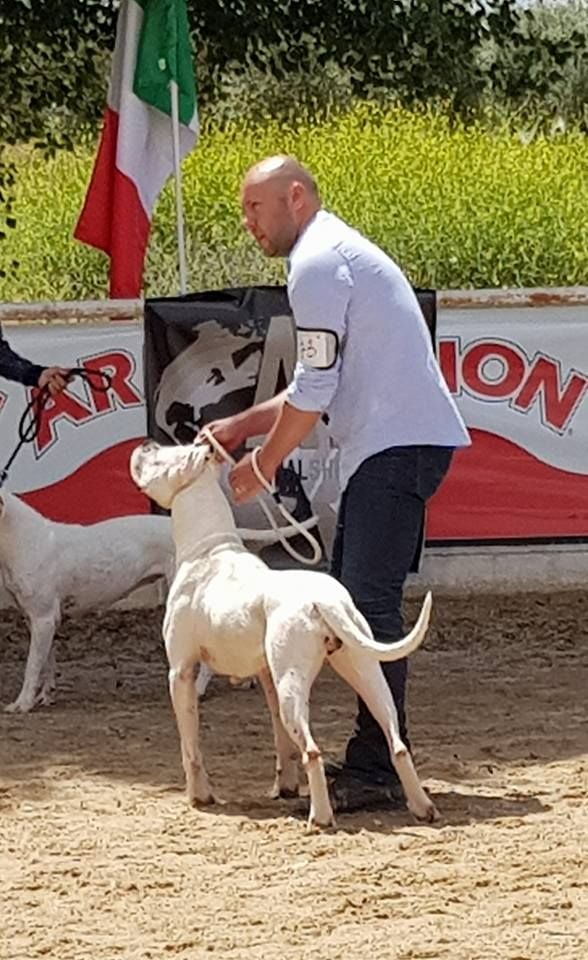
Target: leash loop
<point>271,489</point>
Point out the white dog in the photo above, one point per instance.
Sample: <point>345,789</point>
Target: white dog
<point>228,609</point>
<point>54,568</point>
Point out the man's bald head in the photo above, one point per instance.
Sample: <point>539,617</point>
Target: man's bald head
<point>279,196</point>
<point>282,170</point>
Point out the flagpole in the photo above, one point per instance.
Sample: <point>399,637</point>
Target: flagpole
<point>175,114</point>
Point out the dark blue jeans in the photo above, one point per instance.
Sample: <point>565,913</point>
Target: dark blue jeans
<point>379,525</point>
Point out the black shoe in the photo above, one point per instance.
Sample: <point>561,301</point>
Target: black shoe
<point>348,793</point>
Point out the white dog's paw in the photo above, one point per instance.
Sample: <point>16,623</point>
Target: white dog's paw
<point>46,697</point>
<point>430,814</point>
<point>18,707</point>
<point>321,824</point>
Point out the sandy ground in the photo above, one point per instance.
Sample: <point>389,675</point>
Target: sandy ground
<point>100,857</point>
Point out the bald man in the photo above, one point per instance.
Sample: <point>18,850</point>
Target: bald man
<point>365,359</point>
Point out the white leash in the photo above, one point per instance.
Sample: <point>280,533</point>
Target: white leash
<point>271,489</point>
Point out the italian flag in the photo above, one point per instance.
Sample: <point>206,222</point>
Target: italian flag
<point>135,155</point>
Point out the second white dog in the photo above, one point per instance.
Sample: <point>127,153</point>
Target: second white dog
<point>50,569</point>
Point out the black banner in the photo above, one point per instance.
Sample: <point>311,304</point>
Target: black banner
<point>209,355</point>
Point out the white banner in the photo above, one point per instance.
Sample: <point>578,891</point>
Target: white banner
<point>75,469</point>
<point>522,374</point>
<point>520,378</point>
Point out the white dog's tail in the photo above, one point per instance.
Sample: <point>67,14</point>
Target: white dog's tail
<point>351,627</point>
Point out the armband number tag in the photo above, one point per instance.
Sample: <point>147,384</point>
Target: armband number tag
<point>317,348</point>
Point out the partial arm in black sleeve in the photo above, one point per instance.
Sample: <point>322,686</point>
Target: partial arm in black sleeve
<point>13,367</point>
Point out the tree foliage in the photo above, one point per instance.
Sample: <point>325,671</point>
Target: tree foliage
<point>314,53</point>
<point>54,56</point>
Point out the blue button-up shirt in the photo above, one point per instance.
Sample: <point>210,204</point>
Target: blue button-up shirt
<point>385,387</point>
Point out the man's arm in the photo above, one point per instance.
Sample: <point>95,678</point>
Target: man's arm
<point>20,370</point>
<point>16,368</point>
<point>319,296</point>
<point>232,432</point>
<point>288,432</point>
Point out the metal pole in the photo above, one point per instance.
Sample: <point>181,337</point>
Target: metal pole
<point>178,182</point>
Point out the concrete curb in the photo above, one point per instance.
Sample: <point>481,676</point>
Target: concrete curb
<point>459,571</point>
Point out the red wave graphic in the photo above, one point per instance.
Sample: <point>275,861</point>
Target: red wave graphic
<point>98,490</point>
<point>496,490</point>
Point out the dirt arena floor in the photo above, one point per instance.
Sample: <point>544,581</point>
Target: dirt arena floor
<point>101,858</point>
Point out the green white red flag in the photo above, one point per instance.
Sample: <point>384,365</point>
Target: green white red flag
<point>135,155</point>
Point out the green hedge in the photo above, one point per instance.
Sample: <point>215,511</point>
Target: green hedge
<point>456,207</point>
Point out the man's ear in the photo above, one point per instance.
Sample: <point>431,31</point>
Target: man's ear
<point>2,506</point>
<point>297,194</point>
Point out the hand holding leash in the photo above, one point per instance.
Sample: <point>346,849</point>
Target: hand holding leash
<point>29,424</point>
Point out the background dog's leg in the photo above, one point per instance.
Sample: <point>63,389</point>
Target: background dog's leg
<point>247,684</point>
<point>286,781</point>
<point>366,677</point>
<point>185,703</point>
<point>203,679</point>
<point>42,633</point>
<point>47,692</point>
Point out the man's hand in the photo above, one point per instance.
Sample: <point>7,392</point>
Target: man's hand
<point>232,432</point>
<point>289,430</point>
<point>243,480</point>
<point>54,378</point>
<point>228,431</point>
